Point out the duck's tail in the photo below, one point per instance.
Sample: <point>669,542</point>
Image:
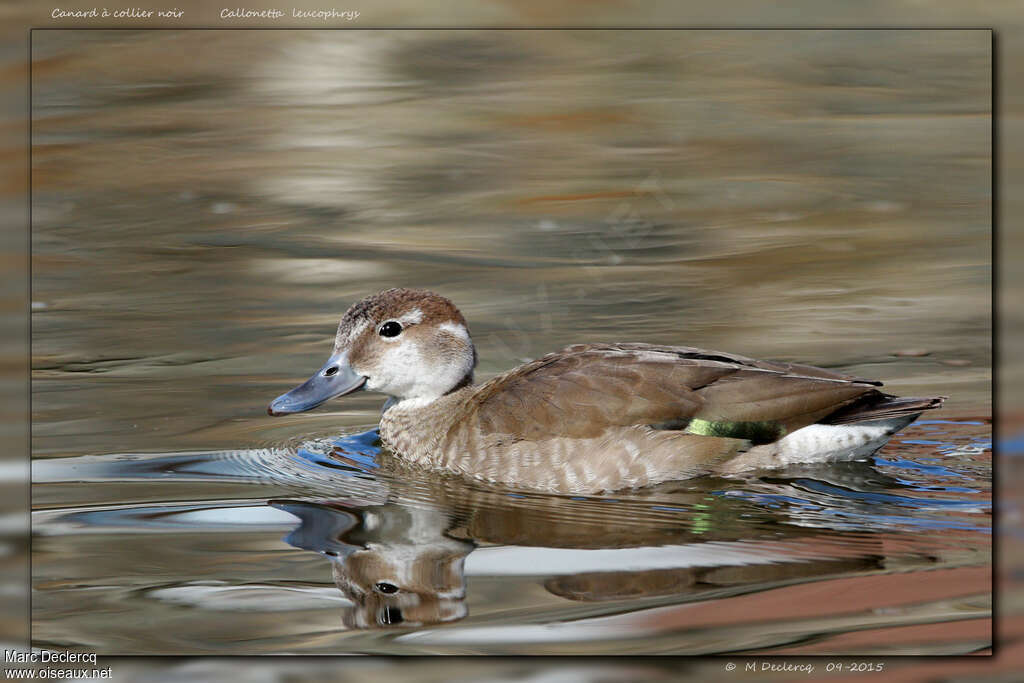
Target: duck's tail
<point>879,406</point>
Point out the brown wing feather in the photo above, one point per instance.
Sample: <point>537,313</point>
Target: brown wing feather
<point>583,390</point>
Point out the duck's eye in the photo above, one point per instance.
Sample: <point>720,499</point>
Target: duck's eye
<point>391,328</point>
<point>385,588</point>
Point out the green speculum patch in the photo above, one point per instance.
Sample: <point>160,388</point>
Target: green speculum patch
<point>764,431</point>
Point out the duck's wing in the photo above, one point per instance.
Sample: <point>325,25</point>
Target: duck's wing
<point>583,390</point>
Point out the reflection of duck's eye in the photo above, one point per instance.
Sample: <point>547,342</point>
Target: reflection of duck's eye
<point>391,616</point>
<point>390,329</point>
<point>385,587</point>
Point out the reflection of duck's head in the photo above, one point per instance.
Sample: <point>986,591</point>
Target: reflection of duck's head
<point>396,564</point>
<point>404,585</point>
<point>409,344</point>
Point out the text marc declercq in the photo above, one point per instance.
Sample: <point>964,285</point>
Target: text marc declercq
<point>325,14</point>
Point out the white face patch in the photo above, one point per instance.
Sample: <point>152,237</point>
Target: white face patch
<point>400,370</point>
<point>411,372</point>
<point>455,329</point>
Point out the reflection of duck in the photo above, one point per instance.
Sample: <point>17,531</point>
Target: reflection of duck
<point>403,564</point>
<point>592,417</point>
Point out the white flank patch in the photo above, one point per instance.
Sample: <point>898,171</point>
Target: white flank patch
<point>829,443</point>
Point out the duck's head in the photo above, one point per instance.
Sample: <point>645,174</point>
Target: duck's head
<point>408,344</point>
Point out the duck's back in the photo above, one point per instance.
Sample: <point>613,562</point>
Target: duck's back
<point>585,389</point>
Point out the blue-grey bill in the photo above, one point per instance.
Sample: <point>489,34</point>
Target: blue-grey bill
<point>335,378</point>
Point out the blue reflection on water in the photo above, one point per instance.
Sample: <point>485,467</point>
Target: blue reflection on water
<point>932,470</point>
<point>875,497</point>
<point>904,521</point>
<point>353,454</point>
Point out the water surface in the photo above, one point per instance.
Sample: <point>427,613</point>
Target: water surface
<point>207,204</point>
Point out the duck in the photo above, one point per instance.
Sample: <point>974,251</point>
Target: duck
<point>593,417</point>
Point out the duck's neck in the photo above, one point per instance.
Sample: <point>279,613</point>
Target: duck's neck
<point>413,427</point>
<point>464,382</point>
<point>418,402</point>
